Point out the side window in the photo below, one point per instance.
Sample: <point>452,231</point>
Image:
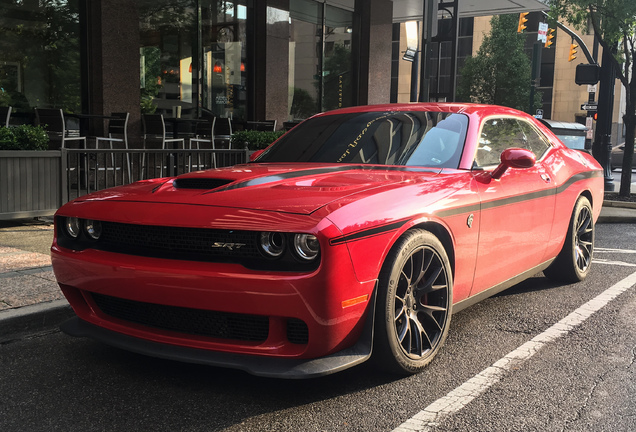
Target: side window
<point>497,134</point>
<point>535,141</point>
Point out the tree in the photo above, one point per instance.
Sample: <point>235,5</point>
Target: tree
<point>614,23</point>
<point>500,73</point>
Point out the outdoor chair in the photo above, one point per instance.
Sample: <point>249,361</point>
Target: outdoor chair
<point>223,131</point>
<point>5,113</point>
<point>204,138</point>
<point>117,135</point>
<point>267,125</point>
<point>155,137</point>
<point>155,131</point>
<point>53,122</point>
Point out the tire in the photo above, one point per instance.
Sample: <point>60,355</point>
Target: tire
<point>574,261</point>
<point>415,296</point>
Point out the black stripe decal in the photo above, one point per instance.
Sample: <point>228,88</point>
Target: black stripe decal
<point>470,208</point>
<point>371,232</point>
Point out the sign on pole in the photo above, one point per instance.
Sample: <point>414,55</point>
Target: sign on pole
<point>589,106</point>
<point>542,34</point>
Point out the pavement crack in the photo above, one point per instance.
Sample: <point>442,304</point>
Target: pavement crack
<point>579,412</point>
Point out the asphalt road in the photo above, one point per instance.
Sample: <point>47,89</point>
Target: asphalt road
<point>584,380</point>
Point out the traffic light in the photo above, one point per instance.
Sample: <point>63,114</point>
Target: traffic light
<point>573,51</point>
<point>595,116</point>
<point>548,38</point>
<point>522,22</point>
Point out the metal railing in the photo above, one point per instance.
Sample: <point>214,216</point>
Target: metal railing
<point>90,170</point>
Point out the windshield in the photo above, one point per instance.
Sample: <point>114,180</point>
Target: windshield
<point>417,138</point>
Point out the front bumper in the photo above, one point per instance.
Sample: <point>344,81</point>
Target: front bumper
<point>259,366</point>
<point>320,299</point>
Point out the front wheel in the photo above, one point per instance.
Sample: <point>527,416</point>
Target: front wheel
<point>415,295</point>
<point>574,261</point>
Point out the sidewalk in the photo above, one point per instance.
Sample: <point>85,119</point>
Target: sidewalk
<point>31,302</point>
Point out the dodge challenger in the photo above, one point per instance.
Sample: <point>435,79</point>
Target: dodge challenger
<point>355,236</point>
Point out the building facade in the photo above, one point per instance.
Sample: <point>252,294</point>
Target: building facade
<point>282,60</point>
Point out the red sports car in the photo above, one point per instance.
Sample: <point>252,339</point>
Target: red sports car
<point>356,235</point>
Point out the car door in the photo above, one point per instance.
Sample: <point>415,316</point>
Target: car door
<point>517,210</point>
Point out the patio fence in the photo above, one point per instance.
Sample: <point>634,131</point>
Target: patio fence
<point>38,183</point>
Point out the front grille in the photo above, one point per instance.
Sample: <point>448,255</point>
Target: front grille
<point>184,243</point>
<point>221,325</point>
<point>197,244</point>
<point>200,183</point>
<point>297,331</point>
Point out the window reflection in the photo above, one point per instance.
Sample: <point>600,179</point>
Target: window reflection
<point>40,55</point>
<point>166,34</point>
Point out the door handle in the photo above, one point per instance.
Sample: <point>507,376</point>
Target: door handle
<point>546,178</point>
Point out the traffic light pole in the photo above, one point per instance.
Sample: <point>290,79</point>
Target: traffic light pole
<point>602,146</point>
<point>536,73</point>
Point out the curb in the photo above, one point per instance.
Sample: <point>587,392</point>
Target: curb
<point>28,320</point>
<point>620,204</point>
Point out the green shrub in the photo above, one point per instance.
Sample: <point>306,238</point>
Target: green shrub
<point>254,140</point>
<point>23,137</point>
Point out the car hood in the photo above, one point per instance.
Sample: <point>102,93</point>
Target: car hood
<point>289,188</point>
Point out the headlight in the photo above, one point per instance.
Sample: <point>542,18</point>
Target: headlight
<point>72,226</point>
<point>93,229</point>
<point>272,243</point>
<point>306,246</point>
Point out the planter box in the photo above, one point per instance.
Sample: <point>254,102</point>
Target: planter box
<point>30,183</point>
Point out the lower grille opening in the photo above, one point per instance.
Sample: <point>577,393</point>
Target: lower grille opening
<point>222,325</point>
<point>297,331</point>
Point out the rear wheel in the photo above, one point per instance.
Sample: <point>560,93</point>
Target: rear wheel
<point>574,261</point>
<point>415,295</point>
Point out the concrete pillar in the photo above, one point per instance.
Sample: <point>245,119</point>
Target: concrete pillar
<point>374,39</point>
<point>113,61</point>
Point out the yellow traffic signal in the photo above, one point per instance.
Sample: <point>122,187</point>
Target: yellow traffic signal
<point>548,38</point>
<point>522,22</point>
<point>573,51</point>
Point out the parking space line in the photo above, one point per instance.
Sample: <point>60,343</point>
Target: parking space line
<point>610,250</point>
<point>617,263</point>
<point>458,398</point>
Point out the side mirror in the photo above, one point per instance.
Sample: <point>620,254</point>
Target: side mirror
<point>514,158</point>
<point>256,154</point>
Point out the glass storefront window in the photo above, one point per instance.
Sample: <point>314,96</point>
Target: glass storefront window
<point>40,55</point>
<point>223,71</point>
<point>337,88</point>
<point>305,58</point>
<point>320,64</point>
<point>167,31</point>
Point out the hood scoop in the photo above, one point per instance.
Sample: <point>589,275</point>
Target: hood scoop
<point>200,183</point>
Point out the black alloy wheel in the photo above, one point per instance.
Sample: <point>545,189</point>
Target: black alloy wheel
<point>415,303</point>
<point>574,261</point>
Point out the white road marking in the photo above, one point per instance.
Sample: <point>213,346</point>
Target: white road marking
<point>610,250</point>
<point>471,389</point>
<point>617,263</point>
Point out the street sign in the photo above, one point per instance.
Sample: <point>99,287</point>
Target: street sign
<point>589,133</point>
<point>539,114</point>
<point>542,34</point>
<point>589,106</point>
<point>591,88</point>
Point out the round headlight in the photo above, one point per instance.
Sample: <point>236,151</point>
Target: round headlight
<point>306,246</point>
<point>272,243</point>
<point>72,226</point>
<point>93,229</point>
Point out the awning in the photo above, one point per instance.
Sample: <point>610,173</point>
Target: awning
<point>411,10</point>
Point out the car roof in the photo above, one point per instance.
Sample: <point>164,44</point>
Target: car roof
<point>452,107</point>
